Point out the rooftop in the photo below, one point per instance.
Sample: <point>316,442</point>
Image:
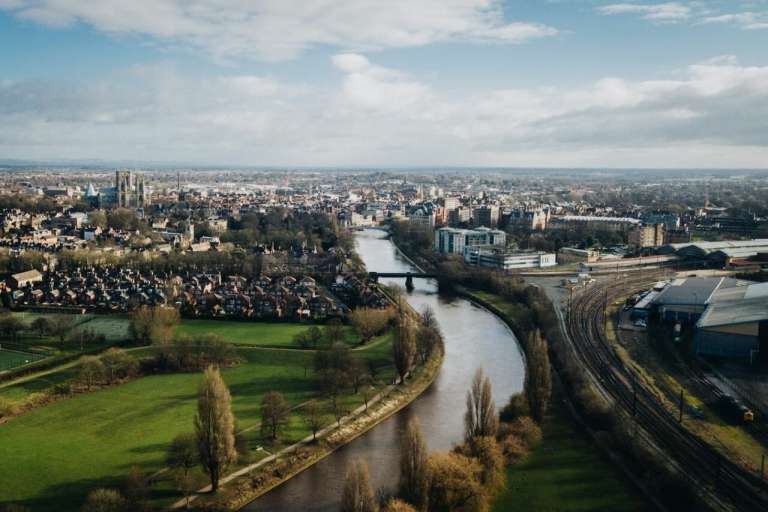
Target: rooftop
<point>735,312</point>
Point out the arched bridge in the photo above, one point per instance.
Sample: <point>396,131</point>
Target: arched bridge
<point>409,276</point>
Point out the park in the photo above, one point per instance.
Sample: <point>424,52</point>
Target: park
<point>130,425</point>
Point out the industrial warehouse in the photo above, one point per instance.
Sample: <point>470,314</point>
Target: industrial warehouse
<point>729,317</point>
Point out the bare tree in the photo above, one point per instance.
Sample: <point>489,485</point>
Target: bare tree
<point>275,413</point>
<point>480,420</point>
<point>357,495</point>
<point>60,325</point>
<point>414,470</point>
<point>358,374</point>
<point>333,331</point>
<point>91,371</point>
<point>214,426</point>
<point>182,453</point>
<point>312,417</point>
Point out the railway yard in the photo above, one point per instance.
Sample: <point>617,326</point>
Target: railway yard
<point>724,481</point>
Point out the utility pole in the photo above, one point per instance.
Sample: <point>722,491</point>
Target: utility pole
<point>680,418</point>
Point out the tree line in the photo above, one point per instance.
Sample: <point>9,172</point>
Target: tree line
<point>466,478</point>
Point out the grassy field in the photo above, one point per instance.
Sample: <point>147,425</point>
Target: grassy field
<point>94,439</point>
<point>12,358</point>
<point>263,334</point>
<point>565,474</point>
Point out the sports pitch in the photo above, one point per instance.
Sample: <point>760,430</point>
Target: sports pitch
<point>12,358</point>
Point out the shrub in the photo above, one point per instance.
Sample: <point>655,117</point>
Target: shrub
<point>527,430</point>
<point>514,449</point>
<point>104,500</point>
<point>8,407</point>
<point>62,389</point>
<point>36,399</point>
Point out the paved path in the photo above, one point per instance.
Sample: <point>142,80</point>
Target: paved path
<point>310,438</point>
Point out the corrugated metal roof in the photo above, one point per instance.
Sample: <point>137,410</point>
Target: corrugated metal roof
<point>696,290</point>
<point>757,290</point>
<point>734,312</point>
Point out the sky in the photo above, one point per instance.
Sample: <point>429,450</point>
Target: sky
<point>393,83</point>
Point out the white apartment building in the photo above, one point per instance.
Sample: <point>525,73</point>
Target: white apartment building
<point>495,257</point>
<point>454,240</point>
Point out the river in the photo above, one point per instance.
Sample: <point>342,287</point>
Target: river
<point>473,338</point>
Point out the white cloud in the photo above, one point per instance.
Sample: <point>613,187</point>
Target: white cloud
<point>745,20</point>
<point>282,29</point>
<point>712,115</point>
<point>663,13</point>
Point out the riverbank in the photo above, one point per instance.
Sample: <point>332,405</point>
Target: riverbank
<point>566,470</point>
<point>291,461</point>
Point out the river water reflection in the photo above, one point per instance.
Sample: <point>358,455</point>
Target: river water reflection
<point>473,338</point>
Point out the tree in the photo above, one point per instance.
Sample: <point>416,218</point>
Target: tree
<point>104,500</point>
<point>315,336</point>
<point>182,453</point>
<point>60,325</point>
<point>312,417</point>
<point>403,346</point>
<point>369,322</point>
<point>118,364</point>
<point>141,325</point>
<point>480,419</point>
<point>41,325</point>
<point>303,340</point>
<point>11,326</point>
<point>454,484</point>
<point>275,413</point>
<point>186,485</point>
<point>153,325</point>
<point>357,495</point>
<point>97,219</point>
<point>214,426</point>
<point>516,408</point>
<point>333,331</point>
<point>358,374</point>
<point>135,489</point>
<point>122,219</point>
<point>428,318</point>
<point>538,385</point>
<point>91,371</point>
<point>427,340</point>
<point>491,458</point>
<point>414,476</point>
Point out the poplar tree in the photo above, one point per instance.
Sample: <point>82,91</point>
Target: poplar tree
<point>358,494</point>
<point>215,426</point>
<point>414,473</point>
<point>480,420</point>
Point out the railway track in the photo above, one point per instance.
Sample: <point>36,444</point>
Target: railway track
<point>726,483</point>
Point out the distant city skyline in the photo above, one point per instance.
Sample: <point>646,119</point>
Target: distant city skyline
<point>430,83</point>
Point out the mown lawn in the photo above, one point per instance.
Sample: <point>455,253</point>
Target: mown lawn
<point>13,358</point>
<point>565,473</point>
<point>52,456</point>
<point>264,334</point>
